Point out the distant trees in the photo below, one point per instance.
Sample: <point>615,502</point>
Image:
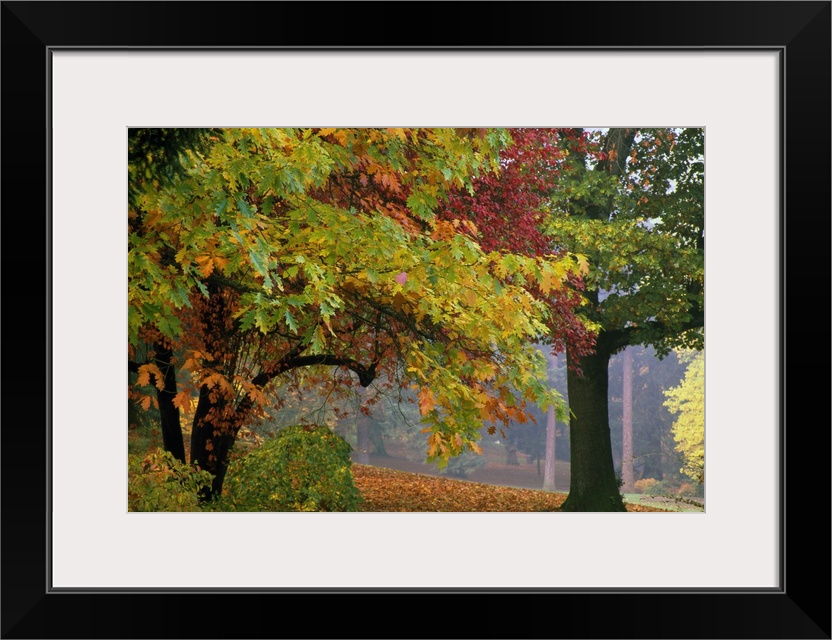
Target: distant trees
<point>687,402</point>
<point>653,447</point>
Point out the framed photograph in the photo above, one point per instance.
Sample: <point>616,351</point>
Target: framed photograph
<point>754,75</point>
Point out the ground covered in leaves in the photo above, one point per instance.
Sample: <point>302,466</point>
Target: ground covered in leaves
<point>392,490</point>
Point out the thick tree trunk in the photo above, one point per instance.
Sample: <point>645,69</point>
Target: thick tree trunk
<point>212,438</point>
<point>593,486</point>
<point>627,423</point>
<point>549,465</point>
<point>169,414</point>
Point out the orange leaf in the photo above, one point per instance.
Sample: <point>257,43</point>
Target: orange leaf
<point>220,262</point>
<point>427,401</point>
<point>182,399</point>
<point>206,264</point>
<point>144,376</point>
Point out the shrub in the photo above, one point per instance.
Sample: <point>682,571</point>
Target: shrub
<point>303,468</point>
<point>691,490</point>
<point>646,485</point>
<point>666,487</point>
<point>159,482</point>
<point>463,465</point>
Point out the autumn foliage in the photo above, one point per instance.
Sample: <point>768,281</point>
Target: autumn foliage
<point>294,252</point>
<point>509,210</point>
<point>390,490</point>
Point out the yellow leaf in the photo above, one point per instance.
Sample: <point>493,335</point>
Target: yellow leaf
<point>146,403</point>
<point>434,442</point>
<point>399,133</point>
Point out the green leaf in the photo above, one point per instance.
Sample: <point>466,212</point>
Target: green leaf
<point>290,320</point>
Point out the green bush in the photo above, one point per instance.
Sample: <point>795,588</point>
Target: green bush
<point>303,468</point>
<point>159,482</point>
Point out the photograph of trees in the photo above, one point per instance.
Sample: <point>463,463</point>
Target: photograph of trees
<point>416,319</point>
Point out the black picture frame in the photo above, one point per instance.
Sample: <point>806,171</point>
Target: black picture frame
<point>800,608</point>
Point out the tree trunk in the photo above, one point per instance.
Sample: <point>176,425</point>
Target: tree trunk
<point>169,414</point>
<point>654,463</point>
<point>551,432</point>
<point>213,435</point>
<point>549,466</point>
<point>627,423</point>
<point>362,445</point>
<point>593,486</point>
<point>511,451</point>
<point>362,430</point>
<point>377,440</point>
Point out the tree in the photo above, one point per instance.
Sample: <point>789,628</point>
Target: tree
<point>550,456</point>
<point>155,158</point>
<point>653,445</point>
<point>632,202</point>
<point>627,479</point>
<point>687,401</point>
<point>279,251</point>
<point>509,208</point>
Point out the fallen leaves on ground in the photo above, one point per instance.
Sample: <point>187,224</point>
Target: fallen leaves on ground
<point>390,490</point>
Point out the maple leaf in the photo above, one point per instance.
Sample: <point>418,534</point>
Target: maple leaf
<point>549,281</point>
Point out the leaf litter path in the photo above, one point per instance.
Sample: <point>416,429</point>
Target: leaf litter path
<point>392,490</point>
